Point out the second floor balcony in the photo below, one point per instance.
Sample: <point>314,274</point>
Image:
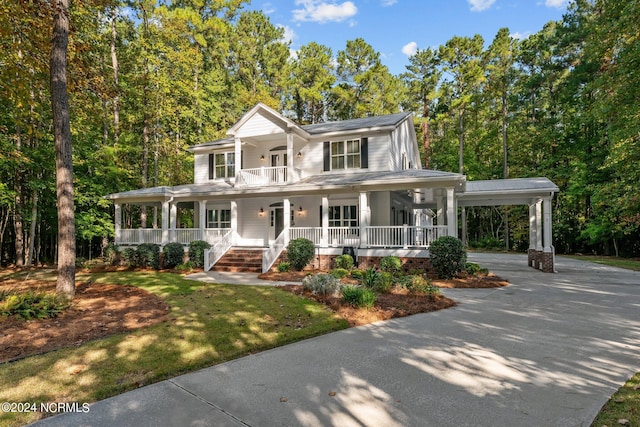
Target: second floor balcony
<point>263,176</point>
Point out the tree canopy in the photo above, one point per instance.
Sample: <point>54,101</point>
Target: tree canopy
<point>147,79</point>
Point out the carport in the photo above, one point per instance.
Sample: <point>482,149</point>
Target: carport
<point>537,193</point>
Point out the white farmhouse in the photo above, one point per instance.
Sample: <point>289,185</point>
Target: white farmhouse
<point>354,185</point>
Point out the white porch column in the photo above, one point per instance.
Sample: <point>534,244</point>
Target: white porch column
<point>533,231</point>
<point>234,222</point>
<point>238,155</point>
<point>324,242</point>
<point>286,203</point>
<point>173,217</point>
<point>117,221</point>
<point>365,219</point>
<point>546,203</point>
<point>165,222</point>
<point>452,214</point>
<point>202,217</point>
<point>290,170</point>
<point>539,225</point>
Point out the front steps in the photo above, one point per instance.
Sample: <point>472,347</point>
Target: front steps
<point>240,260</point>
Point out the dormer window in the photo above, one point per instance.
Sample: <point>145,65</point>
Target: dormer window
<point>222,165</point>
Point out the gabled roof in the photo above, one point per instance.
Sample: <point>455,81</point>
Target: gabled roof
<point>272,114</point>
<point>389,121</point>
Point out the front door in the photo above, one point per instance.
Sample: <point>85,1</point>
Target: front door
<point>276,222</point>
<point>279,158</point>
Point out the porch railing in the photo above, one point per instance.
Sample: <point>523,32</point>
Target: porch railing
<point>400,236</point>
<point>271,254</point>
<point>312,233</point>
<point>213,255</point>
<point>344,236</point>
<point>136,236</point>
<point>403,236</point>
<point>262,176</point>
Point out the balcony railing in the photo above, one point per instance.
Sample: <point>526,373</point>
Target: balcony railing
<point>136,236</point>
<point>263,176</point>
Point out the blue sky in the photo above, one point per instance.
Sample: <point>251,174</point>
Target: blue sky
<point>395,28</point>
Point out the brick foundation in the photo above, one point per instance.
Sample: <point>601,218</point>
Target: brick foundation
<point>541,260</point>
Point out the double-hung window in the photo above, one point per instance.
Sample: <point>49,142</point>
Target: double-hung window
<point>345,154</point>
<point>222,165</point>
<point>343,216</point>
<point>219,218</point>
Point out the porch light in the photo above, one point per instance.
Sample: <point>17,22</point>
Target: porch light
<point>261,212</point>
<point>300,211</point>
<point>262,158</point>
<point>299,154</point>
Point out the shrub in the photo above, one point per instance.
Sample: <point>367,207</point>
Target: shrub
<point>111,253</point>
<point>339,273</point>
<point>187,266</point>
<point>420,285</point>
<point>357,274</point>
<point>30,305</point>
<point>322,284</point>
<point>284,267</point>
<point>300,252</point>
<point>358,297</point>
<point>196,252</point>
<point>448,256</point>
<point>344,261</point>
<point>148,255</point>
<point>472,268</point>
<point>384,282</point>
<point>391,263</point>
<point>173,254</point>
<point>129,256</point>
<point>369,278</point>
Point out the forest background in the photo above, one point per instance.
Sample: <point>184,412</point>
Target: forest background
<point>149,78</point>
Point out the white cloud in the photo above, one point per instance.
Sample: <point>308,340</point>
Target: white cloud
<point>520,36</point>
<point>410,48</point>
<point>289,35</point>
<point>268,8</point>
<point>558,4</point>
<point>480,5</point>
<point>386,3</point>
<point>322,11</point>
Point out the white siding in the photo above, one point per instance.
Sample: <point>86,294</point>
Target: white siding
<point>201,168</point>
<point>378,153</point>
<point>403,140</point>
<point>258,125</point>
<point>252,228</point>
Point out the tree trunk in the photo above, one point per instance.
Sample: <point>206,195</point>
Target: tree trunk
<point>65,285</point>
<point>114,63</point>
<point>32,230</point>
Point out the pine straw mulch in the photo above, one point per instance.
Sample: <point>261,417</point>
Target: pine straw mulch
<point>397,303</point>
<point>97,311</point>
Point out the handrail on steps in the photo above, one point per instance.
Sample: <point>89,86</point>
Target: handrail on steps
<point>213,255</point>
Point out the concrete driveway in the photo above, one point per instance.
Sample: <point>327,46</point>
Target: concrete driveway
<point>549,350</point>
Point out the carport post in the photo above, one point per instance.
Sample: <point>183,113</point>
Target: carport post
<point>532,234</point>
<point>452,214</point>
<point>118,221</point>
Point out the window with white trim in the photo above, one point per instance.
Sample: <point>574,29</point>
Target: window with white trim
<point>219,218</point>
<point>343,216</point>
<point>345,154</point>
<point>222,165</point>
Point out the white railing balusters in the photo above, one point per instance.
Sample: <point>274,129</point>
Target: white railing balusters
<point>262,176</point>
<point>270,255</point>
<point>213,255</point>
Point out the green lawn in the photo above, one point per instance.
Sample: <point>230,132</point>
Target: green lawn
<point>209,324</point>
